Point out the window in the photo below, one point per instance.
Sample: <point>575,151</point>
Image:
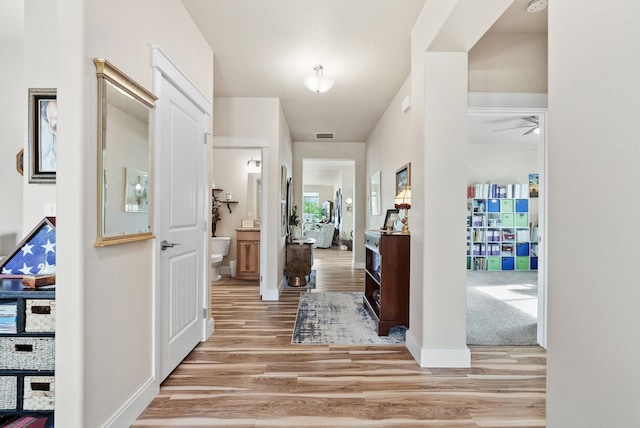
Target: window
<point>311,210</point>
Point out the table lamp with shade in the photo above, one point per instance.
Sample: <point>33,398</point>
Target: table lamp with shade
<point>403,201</point>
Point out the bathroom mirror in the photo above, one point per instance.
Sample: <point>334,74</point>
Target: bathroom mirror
<point>254,194</point>
<point>124,167</point>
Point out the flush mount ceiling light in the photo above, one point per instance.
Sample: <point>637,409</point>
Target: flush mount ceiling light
<point>318,82</point>
<point>534,6</point>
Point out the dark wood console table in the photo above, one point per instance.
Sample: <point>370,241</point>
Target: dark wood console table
<point>387,279</point>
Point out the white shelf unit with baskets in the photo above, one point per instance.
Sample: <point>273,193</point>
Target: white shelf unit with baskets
<point>27,352</point>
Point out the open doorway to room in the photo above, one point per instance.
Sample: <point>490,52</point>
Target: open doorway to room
<point>328,209</point>
<point>505,223</point>
<point>236,215</point>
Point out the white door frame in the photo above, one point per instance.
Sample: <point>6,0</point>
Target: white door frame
<point>527,105</point>
<point>263,144</point>
<point>163,67</point>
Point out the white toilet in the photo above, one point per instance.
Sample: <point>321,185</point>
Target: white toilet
<point>219,249</point>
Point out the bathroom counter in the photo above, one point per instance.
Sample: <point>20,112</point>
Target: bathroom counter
<point>248,229</point>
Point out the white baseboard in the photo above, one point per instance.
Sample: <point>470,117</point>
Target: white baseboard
<point>209,329</point>
<point>129,412</point>
<point>273,295</point>
<point>438,357</point>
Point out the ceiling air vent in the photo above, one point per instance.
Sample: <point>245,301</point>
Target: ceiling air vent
<point>325,135</point>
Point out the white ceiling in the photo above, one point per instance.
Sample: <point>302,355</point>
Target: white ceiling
<point>324,172</point>
<point>265,48</point>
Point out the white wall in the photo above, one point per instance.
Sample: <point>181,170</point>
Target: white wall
<point>594,105</point>
<point>229,172</point>
<point>509,62</point>
<point>13,111</point>
<point>105,326</point>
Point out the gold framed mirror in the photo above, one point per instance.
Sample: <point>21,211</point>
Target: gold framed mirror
<point>125,182</point>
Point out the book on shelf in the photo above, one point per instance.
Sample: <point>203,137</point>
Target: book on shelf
<point>490,190</point>
<point>534,233</point>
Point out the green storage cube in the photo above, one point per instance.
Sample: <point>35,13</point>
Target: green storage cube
<point>522,263</point>
<point>507,219</point>
<point>494,263</point>
<point>506,205</point>
<point>522,219</point>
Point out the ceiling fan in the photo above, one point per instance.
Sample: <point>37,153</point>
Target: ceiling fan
<point>533,120</point>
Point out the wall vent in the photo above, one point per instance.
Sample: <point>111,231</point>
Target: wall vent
<point>325,135</point>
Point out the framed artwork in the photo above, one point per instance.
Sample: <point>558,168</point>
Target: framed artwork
<point>247,222</point>
<point>283,218</point>
<point>403,178</point>
<point>43,130</point>
<point>20,161</point>
<point>283,183</point>
<point>337,208</point>
<point>534,185</point>
<point>390,219</point>
<point>374,193</point>
<point>136,192</point>
<point>289,204</point>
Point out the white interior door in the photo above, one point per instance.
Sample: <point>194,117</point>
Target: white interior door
<point>181,178</point>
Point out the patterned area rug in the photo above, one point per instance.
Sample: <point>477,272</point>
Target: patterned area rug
<point>340,319</point>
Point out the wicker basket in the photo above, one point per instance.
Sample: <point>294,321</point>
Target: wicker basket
<point>40,315</point>
<point>27,353</point>
<point>8,392</point>
<point>39,393</point>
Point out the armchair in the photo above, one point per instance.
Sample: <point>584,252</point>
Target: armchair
<point>322,233</point>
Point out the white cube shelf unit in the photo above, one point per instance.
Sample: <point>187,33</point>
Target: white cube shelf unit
<point>500,235</point>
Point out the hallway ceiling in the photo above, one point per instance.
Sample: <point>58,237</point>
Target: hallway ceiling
<point>265,48</point>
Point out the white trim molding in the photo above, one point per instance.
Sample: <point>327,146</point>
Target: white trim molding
<point>507,100</point>
<point>172,73</point>
<point>240,143</point>
<point>271,294</point>
<point>135,405</point>
<point>438,357</point>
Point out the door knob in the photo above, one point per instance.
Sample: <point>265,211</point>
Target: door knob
<point>164,245</point>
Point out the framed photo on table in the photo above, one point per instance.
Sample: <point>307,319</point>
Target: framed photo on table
<point>43,138</point>
<point>390,219</point>
<point>403,178</point>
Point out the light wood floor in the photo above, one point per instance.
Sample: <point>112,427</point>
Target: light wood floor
<point>248,374</point>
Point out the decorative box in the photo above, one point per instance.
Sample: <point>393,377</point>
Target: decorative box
<point>27,353</point>
<point>8,396</point>
<point>39,393</point>
<point>40,315</point>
